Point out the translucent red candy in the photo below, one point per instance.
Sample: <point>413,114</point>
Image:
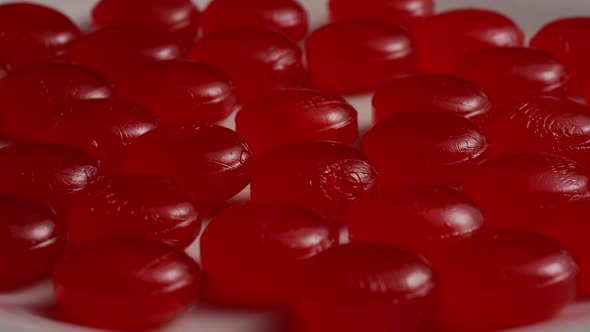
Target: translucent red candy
<point>210,163</point>
<point>407,13</point>
<point>365,287</point>
<point>513,73</point>
<point>126,284</point>
<point>31,239</point>
<point>179,17</point>
<point>293,115</point>
<point>424,147</point>
<point>133,206</point>
<point>444,40</point>
<point>358,55</point>
<point>182,92</point>
<point>498,280</point>
<point>324,176</point>
<point>31,33</point>
<point>430,219</point>
<point>284,16</point>
<point>431,92</point>
<point>253,252</point>
<point>257,61</point>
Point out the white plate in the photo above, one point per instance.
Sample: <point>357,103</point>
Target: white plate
<point>24,311</point>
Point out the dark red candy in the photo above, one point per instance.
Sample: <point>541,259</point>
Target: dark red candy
<point>424,147</point>
<point>293,115</point>
<point>258,61</point>
<point>210,163</point>
<point>324,176</point>
<point>431,92</point>
<point>31,240</point>
<point>498,280</point>
<point>31,33</point>
<point>444,40</point>
<point>126,284</point>
<point>363,287</point>
<point>253,252</point>
<point>407,13</point>
<point>133,206</point>
<point>182,92</point>
<point>284,16</point>
<point>358,55</point>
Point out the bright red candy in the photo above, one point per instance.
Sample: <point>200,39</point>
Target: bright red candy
<point>182,92</point>
<point>133,206</point>
<point>210,163</point>
<point>431,92</point>
<point>324,176</point>
<point>284,16</point>
<point>253,252</point>
<point>363,287</point>
<point>355,56</point>
<point>31,239</point>
<point>257,61</point>
<point>293,115</point>
<point>444,40</point>
<point>429,218</point>
<point>498,280</point>
<point>31,33</point>
<point>179,17</point>
<point>126,284</point>
<point>424,147</point>
<point>407,13</point>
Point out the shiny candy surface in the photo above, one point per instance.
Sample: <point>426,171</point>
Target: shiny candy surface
<point>407,13</point>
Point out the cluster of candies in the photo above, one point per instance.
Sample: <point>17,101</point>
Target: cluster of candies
<point>478,165</point>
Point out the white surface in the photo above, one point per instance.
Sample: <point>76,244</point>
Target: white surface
<point>23,311</point>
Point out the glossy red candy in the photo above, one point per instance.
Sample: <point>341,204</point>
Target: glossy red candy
<point>444,40</point>
<point>498,280</point>
<point>429,218</point>
<point>293,115</point>
<point>284,16</point>
<point>513,73</point>
<point>258,61</point>
<point>253,252</point>
<point>355,56</point>
<point>424,147</point>
<point>133,206</point>
<point>324,176</point>
<point>182,92</point>
<point>126,284</point>
<point>179,17</point>
<point>31,33</point>
<point>32,241</point>
<point>364,287</point>
<point>407,13</point>
<point>515,190</point>
<point>431,92</point>
<point>210,163</point>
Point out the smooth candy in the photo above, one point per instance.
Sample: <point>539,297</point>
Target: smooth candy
<point>407,13</point>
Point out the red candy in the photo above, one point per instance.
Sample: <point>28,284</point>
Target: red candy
<point>324,176</point>
<point>358,55</point>
<point>431,92</point>
<point>31,239</point>
<point>210,163</point>
<point>444,40</point>
<point>407,13</point>
<point>179,17</point>
<point>429,219</point>
<point>258,61</point>
<point>133,206</point>
<point>498,280</point>
<point>126,284</point>
<point>182,92</point>
<point>253,252</point>
<point>424,147</point>
<point>284,16</point>
<point>31,33</point>
<point>293,115</point>
<point>356,288</point>
<point>513,73</point>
